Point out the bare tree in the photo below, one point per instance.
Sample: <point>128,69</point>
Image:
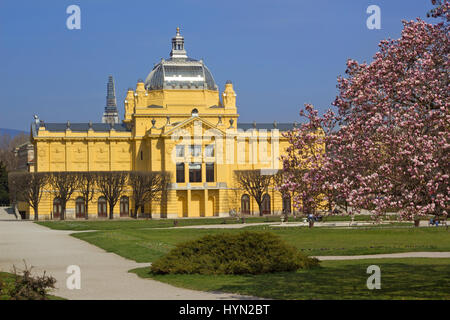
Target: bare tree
<point>7,147</point>
<point>255,183</point>
<point>111,185</point>
<point>147,186</point>
<point>63,185</point>
<point>86,187</point>
<point>28,187</point>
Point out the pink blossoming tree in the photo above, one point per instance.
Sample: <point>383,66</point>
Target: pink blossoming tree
<point>388,144</point>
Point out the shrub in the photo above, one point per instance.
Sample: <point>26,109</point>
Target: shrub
<point>27,287</point>
<point>241,253</point>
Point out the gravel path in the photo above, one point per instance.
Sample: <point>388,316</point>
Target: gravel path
<point>103,275</point>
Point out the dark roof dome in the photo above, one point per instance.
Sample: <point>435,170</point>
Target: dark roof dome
<point>180,71</point>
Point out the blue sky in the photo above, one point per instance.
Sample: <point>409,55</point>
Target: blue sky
<point>279,54</point>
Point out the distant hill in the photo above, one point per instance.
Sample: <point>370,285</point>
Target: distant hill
<point>11,132</point>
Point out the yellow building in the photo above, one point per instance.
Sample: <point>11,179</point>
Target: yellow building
<point>175,121</point>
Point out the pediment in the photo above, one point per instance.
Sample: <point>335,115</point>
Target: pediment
<point>194,124</point>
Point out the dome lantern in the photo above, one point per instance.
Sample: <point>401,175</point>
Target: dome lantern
<point>178,46</point>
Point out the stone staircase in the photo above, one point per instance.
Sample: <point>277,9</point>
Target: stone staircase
<point>7,213</point>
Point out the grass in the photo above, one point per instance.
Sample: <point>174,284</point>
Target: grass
<point>7,279</point>
<point>82,225</point>
<point>143,245</point>
<point>412,278</point>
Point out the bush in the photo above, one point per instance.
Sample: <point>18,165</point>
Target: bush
<point>242,253</point>
<point>27,287</point>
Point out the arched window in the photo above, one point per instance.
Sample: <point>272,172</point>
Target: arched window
<point>79,207</point>
<point>194,112</point>
<point>57,208</point>
<point>266,204</point>
<point>124,207</point>
<point>102,207</point>
<point>245,204</point>
<point>287,204</point>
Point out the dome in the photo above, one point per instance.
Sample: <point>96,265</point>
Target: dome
<point>180,71</point>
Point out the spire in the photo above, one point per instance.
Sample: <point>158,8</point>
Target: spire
<point>111,94</point>
<point>110,115</point>
<point>178,51</point>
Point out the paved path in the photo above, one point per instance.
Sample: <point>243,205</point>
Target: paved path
<point>103,275</point>
<point>340,224</point>
<point>389,256</point>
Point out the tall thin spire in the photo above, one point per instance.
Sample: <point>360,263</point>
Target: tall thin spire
<point>110,115</point>
<point>178,51</point>
<point>111,93</point>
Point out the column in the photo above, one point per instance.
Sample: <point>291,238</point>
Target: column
<point>205,201</point>
<point>188,200</point>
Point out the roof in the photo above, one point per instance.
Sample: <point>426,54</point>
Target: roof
<point>266,126</point>
<point>83,127</point>
<point>180,74</point>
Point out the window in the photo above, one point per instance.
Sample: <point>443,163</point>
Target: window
<point>195,172</point>
<point>180,151</point>
<point>209,151</point>
<point>245,204</point>
<point>79,207</point>
<point>210,172</point>
<point>102,207</point>
<point>142,155</point>
<point>266,204</point>
<point>287,204</point>
<point>196,150</point>
<point>124,206</point>
<point>180,172</point>
<point>57,208</point>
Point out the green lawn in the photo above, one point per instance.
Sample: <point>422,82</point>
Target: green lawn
<point>7,279</point>
<point>147,245</point>
<point>81,225</point>
<point>400,279</point>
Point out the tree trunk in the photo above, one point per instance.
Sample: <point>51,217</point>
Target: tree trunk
<point>260,209</point>
<point>63,212</point>
<point>86,210</point>
<point>111,211</point>
<point>36,214</point>
<point>136,209</point>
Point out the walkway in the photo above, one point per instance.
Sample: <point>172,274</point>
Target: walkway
<point>103,275</point>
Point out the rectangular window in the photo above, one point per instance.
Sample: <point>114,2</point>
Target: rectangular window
<point>209,151</point>
<point>210,172</point>
<point>195,172</point>
<point>180,151</point>
<point>180,172</point>
<point>196,150</point>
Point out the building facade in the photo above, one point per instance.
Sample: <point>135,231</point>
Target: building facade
<point>177,121</point>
